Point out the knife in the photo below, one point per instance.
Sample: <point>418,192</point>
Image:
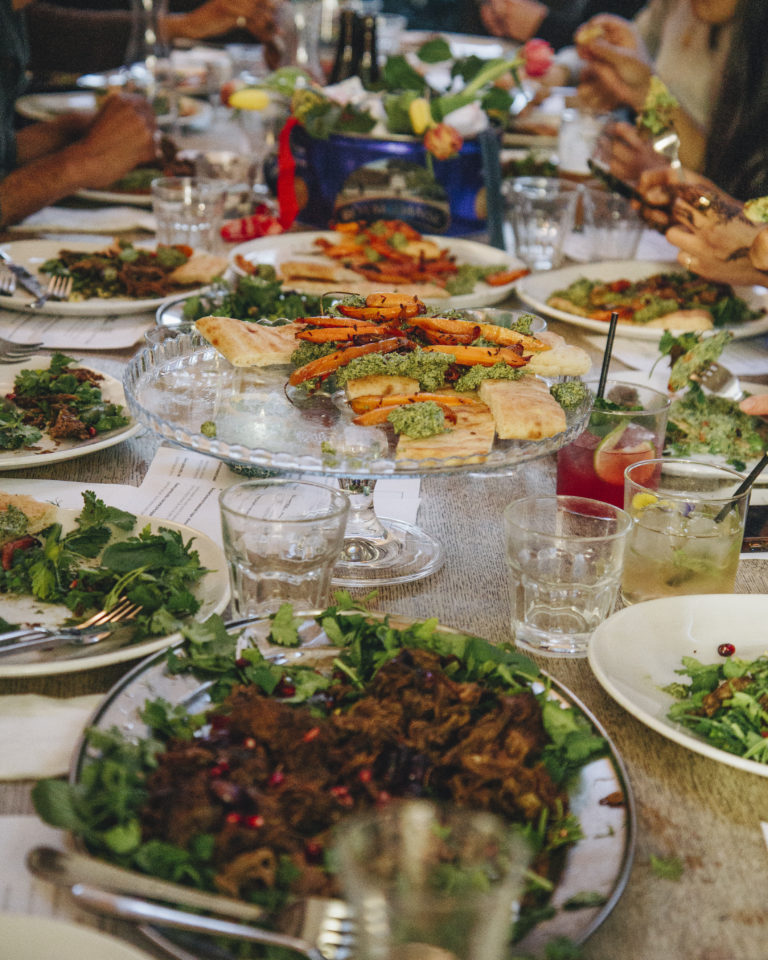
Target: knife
<point>28,280</point>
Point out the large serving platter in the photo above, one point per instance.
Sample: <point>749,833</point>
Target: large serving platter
<point>32,254</point>
<point>536,288</point>
<point>273,250</point>
<point>212,590</point>
<point>184,390</point>
<point>47,450</point>
<point>599,863</point>
<point>638,651</point>
<point>34,937</point>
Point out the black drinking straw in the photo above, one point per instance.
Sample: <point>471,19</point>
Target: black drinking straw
<point>607,355</point>
<point>744,485</point>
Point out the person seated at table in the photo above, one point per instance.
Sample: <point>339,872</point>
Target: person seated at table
<point>711,55</point>
<point>45,162</point>
<point>87,36</point>
<point>555,21</point>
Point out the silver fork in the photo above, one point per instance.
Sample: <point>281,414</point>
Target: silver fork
<point>667,144</point>
<point>58,288</point>
<point>719,381</point>
<point>11,352</point>
<point>83,634</point>
<point>7,281</point>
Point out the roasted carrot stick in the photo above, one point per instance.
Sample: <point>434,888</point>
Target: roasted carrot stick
<point>490,331</point>
<point>329,334</point>
<point>393,299</point>
<point>379,313</point>
<point>332,361</point>
<point>485,356</point>
<point>505,276</point>
<point>372,401</point>
<point>379,415</point>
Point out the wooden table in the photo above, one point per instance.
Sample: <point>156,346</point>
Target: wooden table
<point>702,812</point>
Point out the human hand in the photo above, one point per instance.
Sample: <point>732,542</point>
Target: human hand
<point>120,137</point>
<point>615,73</point>
<point>220,16</point>
<point>609,28</point>
<point>756,405</point>
<point>518,19</point>
<point>626,152</point>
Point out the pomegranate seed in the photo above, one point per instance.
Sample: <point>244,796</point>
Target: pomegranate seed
<point>285,688</point>
<point>249,743</point>
<point>91,431</point>
<point>221,767</point>
<point>241,663</point>
<point>276,778</point>
<point>365,775</point>
<point>726,650</point>
<point>764,733</point>
<point>255,822</point>
<point>233,819</point>
<point>311,735</point>
<point>73,585</point>
<point>313,851</point>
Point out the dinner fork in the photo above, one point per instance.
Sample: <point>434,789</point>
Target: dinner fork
<point>11,352</point>
<point>58,288</point>
<point>83,634</point>
<point>719,381</point>
<point>7,281</point>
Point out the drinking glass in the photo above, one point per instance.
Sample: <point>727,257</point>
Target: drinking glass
<point>564,558</point>
<point>612,229</point>
<point>430,881</point>
<point>282,539</point>
<point>594,464</point>
<point>687,531</point>
<point>542,212</point>
<point>189,210</point>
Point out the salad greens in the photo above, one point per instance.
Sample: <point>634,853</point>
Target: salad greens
<point>725,704</point>
<point>95,564</point>
<point>104,806</point>
<point>259,296</point>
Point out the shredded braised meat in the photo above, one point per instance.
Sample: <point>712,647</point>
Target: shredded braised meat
<point>272,779</point>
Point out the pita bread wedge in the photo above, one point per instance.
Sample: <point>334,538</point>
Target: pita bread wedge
<point>291,271</point>
<point>561,360</point>
<point>522,409</point>
<point>247,344</point>
<point>363,288</point>
<point>468,441</point>
<point>200,268</point>
<point>39,515</point>
<point>380,385</point>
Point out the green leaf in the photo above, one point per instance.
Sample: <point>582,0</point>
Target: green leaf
<point>434,51</point>
<point>285,627</point>
<point>55,803</point>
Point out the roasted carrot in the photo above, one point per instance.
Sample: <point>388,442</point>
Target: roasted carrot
<point>244,264</point>
<point>380,414</point>
<point>489,331</point>
<point>372,402</point>
<point>393,299</point>
<point>505,276</point>
<point>379,313</point>
<point>485,356</point>
<point>332,361</point>
<point>329,334</point>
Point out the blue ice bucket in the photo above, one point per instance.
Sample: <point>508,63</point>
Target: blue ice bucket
<point>354,177</point>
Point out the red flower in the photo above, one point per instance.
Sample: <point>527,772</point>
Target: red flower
<point>443,141</point>
<point>537,57</point>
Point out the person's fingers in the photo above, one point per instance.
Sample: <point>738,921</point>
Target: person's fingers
<point>756,406</point>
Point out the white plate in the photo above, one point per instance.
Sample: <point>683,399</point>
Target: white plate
<point>212,590</point>
<point>537,287</point>
<point>114,196</point>
<point>461,44</point>
<point>26,937</point>
<point>636,652</point>
<point>195,114</point>
<point>301,246</point>
<point>32,254</point>
<point>46,450</point>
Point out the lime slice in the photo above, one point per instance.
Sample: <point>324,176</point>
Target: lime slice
<point>623,446</point>
<point>248,99</point>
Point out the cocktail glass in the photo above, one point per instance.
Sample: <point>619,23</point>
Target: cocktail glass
<point>628,427</point>
<point>687,531</point>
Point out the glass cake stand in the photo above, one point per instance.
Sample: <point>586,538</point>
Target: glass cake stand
<point>185,391</point>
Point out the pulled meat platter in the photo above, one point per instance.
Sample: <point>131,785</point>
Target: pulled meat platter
<point>267,777</point>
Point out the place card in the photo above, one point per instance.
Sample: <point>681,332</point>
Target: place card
<point>75,333</point>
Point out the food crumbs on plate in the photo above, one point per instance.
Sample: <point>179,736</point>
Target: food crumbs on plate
<point>670,868</point>
<point>615,799</point>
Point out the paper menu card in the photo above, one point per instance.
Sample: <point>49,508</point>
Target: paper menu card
<point>75,333</point>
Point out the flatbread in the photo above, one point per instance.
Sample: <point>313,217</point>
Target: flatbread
<point>469,440</point>
<point>523,409</point>
<point>247,344</point>
<point>290,271</point>
<point>381,385</point>
<point>561,360</point>
<point>39,515</point>
<point>200,268</point>
<point>362,288</point>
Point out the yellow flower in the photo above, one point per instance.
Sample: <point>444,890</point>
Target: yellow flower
<point>249,99</point>
<point>420,114</point>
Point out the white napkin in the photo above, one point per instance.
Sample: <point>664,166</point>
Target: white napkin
<point>38,734</point>
<point>99,220</point>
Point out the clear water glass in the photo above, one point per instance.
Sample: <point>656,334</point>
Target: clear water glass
<point>189,210</point>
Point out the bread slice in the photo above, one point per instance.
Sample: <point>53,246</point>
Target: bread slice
<point>561,360</point>
<point>247,344</point>
<point>522,409</point>
<point>39,515</point>
<point>381,385</point>
<point>200,268</point>
<point>292,270</point>
<point>469,440</point>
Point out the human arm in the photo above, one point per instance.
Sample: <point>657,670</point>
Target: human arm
<point>217,17</point>
<point>120,137</point>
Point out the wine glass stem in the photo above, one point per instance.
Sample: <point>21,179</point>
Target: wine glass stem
<point>364,533</point>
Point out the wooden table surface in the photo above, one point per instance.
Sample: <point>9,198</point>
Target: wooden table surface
<point>702,812</point>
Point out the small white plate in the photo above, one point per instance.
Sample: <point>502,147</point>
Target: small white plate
<point>32,254</point>
<point>536,288</point>
<point>212,590</point>
<point>301,246</point>
<point>195,114</point>
<point>46,450</point>
<point>27,937</point>
<point>636,652</point>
